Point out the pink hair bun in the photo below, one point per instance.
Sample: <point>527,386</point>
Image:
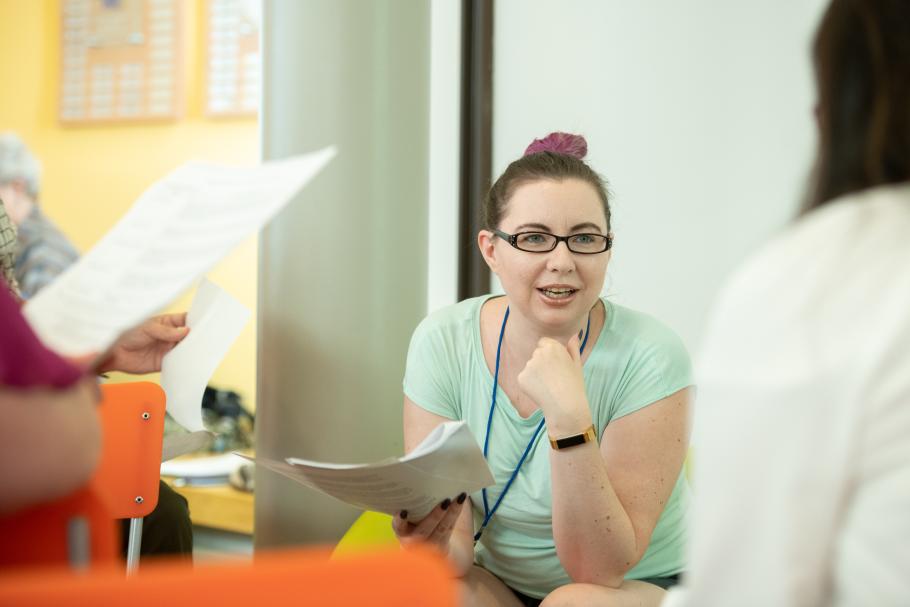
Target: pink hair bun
<point>560,143</point>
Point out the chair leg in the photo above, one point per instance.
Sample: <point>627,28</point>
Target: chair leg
<point>133,545</point>
<point>78,543</point>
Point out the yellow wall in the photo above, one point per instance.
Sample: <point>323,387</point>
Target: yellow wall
<point>92,174</point>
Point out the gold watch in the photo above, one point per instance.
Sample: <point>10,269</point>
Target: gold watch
<point>576,439</point>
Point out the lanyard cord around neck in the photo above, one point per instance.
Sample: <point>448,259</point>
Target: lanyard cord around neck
<point>487,512</point>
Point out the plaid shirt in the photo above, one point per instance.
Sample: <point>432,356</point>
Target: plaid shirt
<point>44,252</point>
<point>7,250</point>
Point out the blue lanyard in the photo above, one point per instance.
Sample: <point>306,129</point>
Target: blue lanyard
<point>488,513</point>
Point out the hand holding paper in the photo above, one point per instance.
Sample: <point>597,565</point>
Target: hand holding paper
<point>142,349</point>
<point>178,229</point>
<point>447,463</point>
<point>215,320</point>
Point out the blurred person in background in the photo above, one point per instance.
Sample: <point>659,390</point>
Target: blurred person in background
<point>802,476</point>
<point>8,247</point>
<point>44,251</point>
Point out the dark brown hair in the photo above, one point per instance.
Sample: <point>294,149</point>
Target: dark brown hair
<point>862,68</point>
<point>556,157</point>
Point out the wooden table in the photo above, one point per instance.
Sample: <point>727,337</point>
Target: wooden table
<point>218,507</point>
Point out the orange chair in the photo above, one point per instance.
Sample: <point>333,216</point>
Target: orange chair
<point>411,578</point>
<point>132,419</point>
<point>76,530</point>
<point>80,529</point>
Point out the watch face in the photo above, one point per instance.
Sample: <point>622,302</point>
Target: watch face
<point>571,441</point>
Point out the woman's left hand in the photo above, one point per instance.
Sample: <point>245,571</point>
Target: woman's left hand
<point>554,380</point>
<point>140,350</point>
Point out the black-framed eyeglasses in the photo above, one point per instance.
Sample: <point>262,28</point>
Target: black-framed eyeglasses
<point>543,242</point>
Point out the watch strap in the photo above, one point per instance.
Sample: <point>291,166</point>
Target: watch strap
<point>565,442</point>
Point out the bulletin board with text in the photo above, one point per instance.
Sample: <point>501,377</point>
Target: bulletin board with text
<point>120,60</point>
<point>232,66</point>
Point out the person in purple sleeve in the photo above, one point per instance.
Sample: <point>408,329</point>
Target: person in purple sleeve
<point>50,439</point>
<point>167,530</point>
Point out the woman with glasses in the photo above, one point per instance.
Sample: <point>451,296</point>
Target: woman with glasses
<point>580,404</point>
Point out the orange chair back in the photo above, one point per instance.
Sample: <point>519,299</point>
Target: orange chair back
<point>80,529</point>
<point>75,530</point>
<point>132,420</point>
<point>412,578</point>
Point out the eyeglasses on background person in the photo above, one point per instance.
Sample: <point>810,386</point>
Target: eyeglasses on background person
<point>544,242</point>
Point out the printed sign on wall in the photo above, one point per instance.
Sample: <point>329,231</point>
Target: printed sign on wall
<point>120,60</point>
<point>233,57</point>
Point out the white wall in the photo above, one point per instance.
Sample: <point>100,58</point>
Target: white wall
<point>698,112</point>
<point>445,152</point>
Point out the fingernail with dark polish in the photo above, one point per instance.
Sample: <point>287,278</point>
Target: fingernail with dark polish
<point>403,514</point>
<point>461,498</point>
<point>580,333</point>
<point>445,504</point>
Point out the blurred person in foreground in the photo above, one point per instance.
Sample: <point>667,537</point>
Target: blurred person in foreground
<point>802,477</point>
<point>50,438</point>
<point>37,384</point>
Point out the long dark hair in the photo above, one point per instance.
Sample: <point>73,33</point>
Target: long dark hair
<point>862,68</point>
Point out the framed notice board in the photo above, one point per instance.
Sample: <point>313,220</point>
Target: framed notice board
<point>120,60</point>
<point>232,64</point>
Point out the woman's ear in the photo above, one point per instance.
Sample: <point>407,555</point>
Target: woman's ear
<point>486,244</point>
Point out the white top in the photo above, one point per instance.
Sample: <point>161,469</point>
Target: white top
<point>801,493</point>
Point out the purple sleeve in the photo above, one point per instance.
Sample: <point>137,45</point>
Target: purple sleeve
<point>24,361</point>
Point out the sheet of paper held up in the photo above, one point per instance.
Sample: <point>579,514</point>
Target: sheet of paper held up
<point>176,444</point>
<point>447,462</point>
<point>178,228</point>
<point>215,320</point>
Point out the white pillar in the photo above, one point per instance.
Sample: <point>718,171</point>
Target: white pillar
<point>342,277</point>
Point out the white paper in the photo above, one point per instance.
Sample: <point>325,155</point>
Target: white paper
<point>215,320</point>
<point>177,444</point>
<point>202,467</point>
<point>178,229</point>
<point>447,463</point>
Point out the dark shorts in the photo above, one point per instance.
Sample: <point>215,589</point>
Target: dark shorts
<point>167,530</point>
<point>663,582</point>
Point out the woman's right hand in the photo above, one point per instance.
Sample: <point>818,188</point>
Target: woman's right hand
<point>434,529</point>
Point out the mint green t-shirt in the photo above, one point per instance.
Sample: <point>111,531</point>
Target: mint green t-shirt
<point>635,362</point>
